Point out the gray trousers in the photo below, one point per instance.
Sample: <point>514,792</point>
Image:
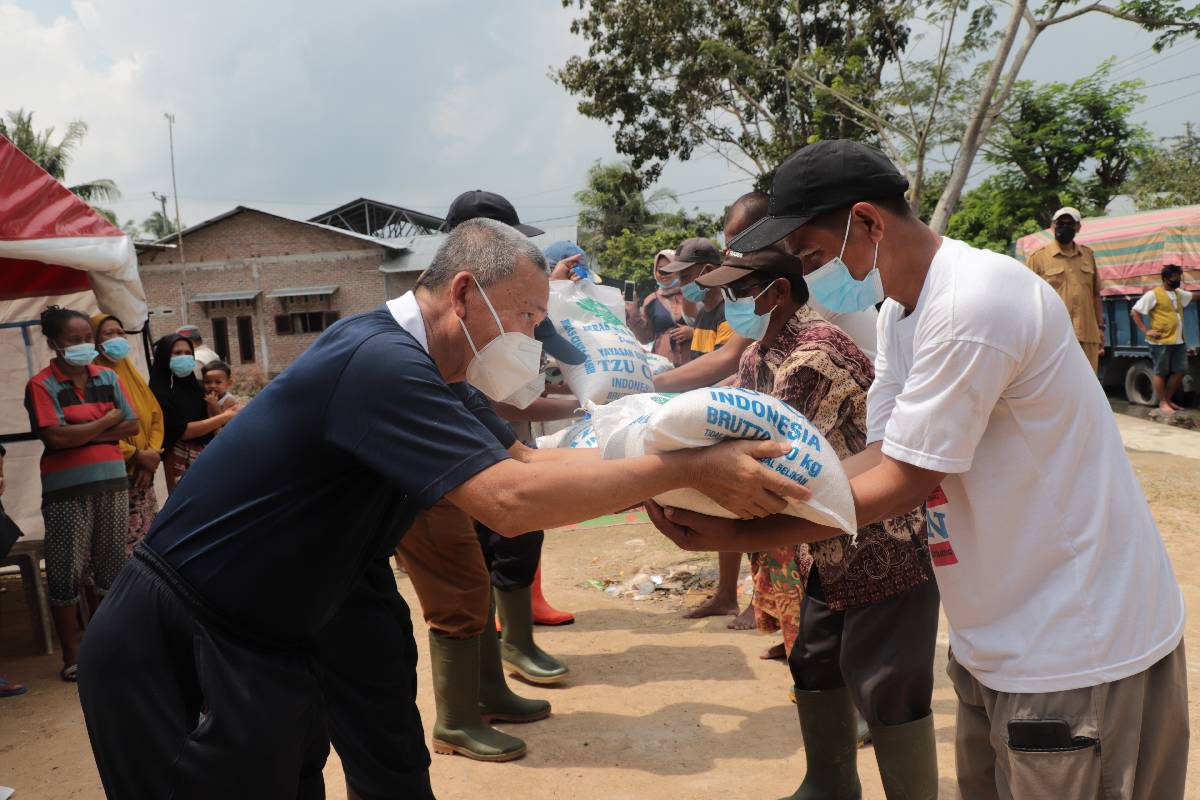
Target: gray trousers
<point>1130,738</point>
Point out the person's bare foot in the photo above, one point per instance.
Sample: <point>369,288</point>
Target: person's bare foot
<point>1175,406</point>
<point>743,621</point>
<point>712,607</point>
<point>774,652</point>
<point>1167,408</point>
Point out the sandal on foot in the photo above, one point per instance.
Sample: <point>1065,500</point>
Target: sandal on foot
<point>70,674</point>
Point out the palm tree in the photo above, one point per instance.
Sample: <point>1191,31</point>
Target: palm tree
<point>55,158</point>
<point>159,226</point>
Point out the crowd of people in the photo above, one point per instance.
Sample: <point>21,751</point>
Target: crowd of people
<point>957,387</point>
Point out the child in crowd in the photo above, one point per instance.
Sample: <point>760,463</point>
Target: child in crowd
<point>218,376</point>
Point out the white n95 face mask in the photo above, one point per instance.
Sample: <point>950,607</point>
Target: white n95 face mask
<point>524,397</point>
<point>506,364</point>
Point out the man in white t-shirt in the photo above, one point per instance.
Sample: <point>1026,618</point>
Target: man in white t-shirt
<point>1164,306</point>
<point>1066,621</point>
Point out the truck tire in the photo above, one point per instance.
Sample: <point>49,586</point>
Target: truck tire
<point>1139,386</point>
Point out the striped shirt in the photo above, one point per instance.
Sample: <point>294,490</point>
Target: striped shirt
<point>52,399</point>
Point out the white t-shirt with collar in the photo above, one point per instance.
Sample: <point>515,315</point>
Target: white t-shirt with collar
<point>1052,572</point>
<point>1149,300</point>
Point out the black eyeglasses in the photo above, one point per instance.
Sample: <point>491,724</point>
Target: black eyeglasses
<point>738,292</point>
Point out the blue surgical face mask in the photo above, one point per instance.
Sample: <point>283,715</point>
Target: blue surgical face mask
<point>670,285</point>
<point>183,366</point>
<point>80,355</point>
<point>741,316</point>
<point>835,288</point>
<point>116,348</point>
<point>694,292</point>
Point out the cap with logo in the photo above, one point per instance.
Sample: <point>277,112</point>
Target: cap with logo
<point>818,178</point>
<point>690,252</point>
<point>773,260</point>
<point>1067,211</point>
<point>478,203</point>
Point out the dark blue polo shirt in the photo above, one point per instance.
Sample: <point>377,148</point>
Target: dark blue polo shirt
<point>322,471</point>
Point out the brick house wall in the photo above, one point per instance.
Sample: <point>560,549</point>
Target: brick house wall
<point>253,251</point>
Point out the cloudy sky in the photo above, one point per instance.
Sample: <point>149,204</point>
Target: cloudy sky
<point>299,106</point>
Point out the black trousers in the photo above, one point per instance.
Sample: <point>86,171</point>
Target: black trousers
<point>882,652</point>
<point>177,708</point>
<point>366,660</point>
<point>512,560</point>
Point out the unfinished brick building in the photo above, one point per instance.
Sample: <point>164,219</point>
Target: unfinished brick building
<point>261,287</point>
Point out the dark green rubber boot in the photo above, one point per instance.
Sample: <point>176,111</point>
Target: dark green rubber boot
<point>498,703</point>
<point>907,757</point>
<point>829,726</point>
<point>460,728</point>
<point>517,648</point>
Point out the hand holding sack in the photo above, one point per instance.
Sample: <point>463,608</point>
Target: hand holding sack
<point>657,423</point>
<point>658,364</point>
<point>592,318</point>
<point>580,435</point>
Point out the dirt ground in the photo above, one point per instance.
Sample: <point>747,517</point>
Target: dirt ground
<point>656,705</point>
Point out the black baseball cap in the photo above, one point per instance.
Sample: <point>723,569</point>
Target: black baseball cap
<point>773,260</point>
<point>821,177</point>
<point>478,203</point>
<point>556,345</point>
<point>696,250</point>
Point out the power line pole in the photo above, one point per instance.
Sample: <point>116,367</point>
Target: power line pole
<point>162,199</point>
<point>175,189</point>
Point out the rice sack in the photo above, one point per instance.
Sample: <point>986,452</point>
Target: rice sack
<point>592,318</point>
<point>580,435</point>
<point>658,364</point>
<point>658,423</point>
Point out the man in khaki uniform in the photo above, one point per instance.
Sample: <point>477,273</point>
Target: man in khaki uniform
<point>1071,269</point>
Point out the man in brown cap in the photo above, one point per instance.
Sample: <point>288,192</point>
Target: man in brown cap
<point>692,258</point>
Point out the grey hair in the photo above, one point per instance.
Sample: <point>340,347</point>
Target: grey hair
<point>487,249</point>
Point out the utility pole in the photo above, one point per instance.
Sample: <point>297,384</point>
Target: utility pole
<point>174,188</point>
<point>162,199</point>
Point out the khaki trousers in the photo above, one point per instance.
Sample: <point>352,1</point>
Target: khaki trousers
<point>1132,738</point>
<point>441,554</point>
<point>1092,351</point>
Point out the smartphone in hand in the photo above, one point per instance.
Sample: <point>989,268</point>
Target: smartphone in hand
<point>630,291</point>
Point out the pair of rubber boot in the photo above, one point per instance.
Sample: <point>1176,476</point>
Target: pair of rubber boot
<point>906,754</point>
<point>470,690</point>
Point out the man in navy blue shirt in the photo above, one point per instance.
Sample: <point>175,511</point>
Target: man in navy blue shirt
<point>200,677</point>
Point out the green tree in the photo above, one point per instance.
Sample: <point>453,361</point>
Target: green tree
<point>1168,174</point>
<point>629,256</point>
<point>158,226</point>
<point>613,201</point>
<point>1168,19</point>
<point>55,158</point>
<point>1052,131</point>
<point>676,75</point>
<point>996,213</point>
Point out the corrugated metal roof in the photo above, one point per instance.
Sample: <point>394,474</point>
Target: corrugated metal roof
<point>303,291</point>
<point>388,244</point>
<point>218,297</point>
